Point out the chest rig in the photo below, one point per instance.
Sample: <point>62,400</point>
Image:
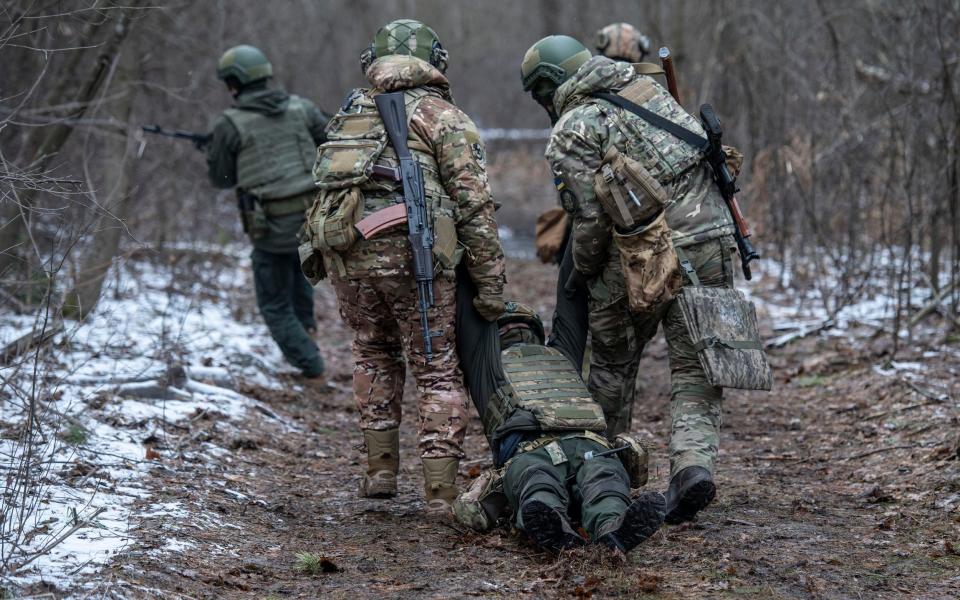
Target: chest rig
<point>543,382</point>
<point>358,176</point>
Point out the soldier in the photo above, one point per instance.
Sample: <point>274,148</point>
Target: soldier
<point>372,277</point>
<point>265,145</point>
<point>623,42</point>
<point>545,432</point>
<point>562,76</point>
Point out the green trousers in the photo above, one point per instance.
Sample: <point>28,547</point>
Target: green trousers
<point>599,488</point>
<point>285,301</point>
<point>618,339</point>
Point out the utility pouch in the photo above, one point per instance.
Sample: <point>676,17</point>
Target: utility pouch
<point>348,160</point>
<point>635,458</point>
<point>650,266</point>
<point>629,194</point>
<point>482,505</point>
<point>258,221</point>
<point>445,247</point>
<point>723,327</point>
<point>311,263</point>
<point>331,220</point>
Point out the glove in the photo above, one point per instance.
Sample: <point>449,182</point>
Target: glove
<point>489,307</point>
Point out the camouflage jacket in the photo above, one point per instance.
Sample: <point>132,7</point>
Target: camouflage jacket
<point>444,132</point>
<point>588,127</point>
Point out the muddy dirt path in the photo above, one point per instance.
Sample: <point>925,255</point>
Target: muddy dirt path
<point>842,483</point>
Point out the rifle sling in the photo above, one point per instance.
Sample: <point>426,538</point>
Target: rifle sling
<point>681,133</point>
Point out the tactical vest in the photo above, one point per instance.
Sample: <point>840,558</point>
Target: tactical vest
<point>543,382</point>
<point>276,151</point>
<point>356,142</point>
<point>695,209</point>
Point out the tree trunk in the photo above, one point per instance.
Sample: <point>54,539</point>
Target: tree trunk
<point>117,163</point>
<point>50,140</point>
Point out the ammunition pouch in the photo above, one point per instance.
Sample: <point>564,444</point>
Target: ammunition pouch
<point>311,263</point>
<point>723,328</point>
<point>629,194</point>
<point>651,270</point>
<point>635,458</point>
<point>483,504</point>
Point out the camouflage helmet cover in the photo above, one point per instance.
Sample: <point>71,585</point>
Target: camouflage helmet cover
<point>622,41</point>
<point>246,63</point>
<point>517,317</point>
<point>408,37</point>
<point>554,59</point>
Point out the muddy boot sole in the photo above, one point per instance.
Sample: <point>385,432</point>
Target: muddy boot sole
<point>546,527</point>
<point>694,499</point>
<point>642,519</point>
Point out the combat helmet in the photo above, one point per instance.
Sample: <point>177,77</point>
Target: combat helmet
<point>245,63</point>
<point>520,324</point>
<point>408,37</point>
<point>548,63</point>
<point>622,41</point>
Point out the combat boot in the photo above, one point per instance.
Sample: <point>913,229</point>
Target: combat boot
<point>548,527</point>
<point>691,490</point>
<point>642,519</point>
<point>383,462</point>
<point>440,485</point>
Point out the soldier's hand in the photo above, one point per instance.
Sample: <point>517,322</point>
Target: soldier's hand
<point>489,307</point>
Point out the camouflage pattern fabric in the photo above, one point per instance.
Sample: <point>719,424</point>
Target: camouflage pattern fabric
<point>587,128</point>
<point>383,315</point>
<point>557,475</point>
<point>619,337</point>
<point>377,294</point>
<point>542,382</point>
<point>622,41</point>
<point>448,144</point>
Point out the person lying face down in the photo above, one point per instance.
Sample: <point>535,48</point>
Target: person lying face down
<point>552,465</point>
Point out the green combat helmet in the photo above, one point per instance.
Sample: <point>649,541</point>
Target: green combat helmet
<point>520,324</point>
<point>549,63</point>
<point>408,37</point>
<point>246,63</point>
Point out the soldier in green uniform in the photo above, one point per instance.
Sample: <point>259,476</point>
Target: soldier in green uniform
<point>373,275</point>
<point>546,433</point>
<point>265,146</point>
<point>562,76</point>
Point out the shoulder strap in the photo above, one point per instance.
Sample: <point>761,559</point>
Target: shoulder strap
<point>681,133</point>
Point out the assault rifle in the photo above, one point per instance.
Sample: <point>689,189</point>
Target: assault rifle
<point>728,186</point>
<point>394,114</point>
<point>200,140</point>
<point>713,151</point>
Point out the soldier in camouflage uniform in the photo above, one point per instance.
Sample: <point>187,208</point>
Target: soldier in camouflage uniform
<point>545,432</point>
<point>623,42</point>
<point>373,277</point>
<point>265,146</point>
<point>561,75</point>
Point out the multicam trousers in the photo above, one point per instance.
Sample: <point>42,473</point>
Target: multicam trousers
<point>619,337</point>
<point>383,315</point>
